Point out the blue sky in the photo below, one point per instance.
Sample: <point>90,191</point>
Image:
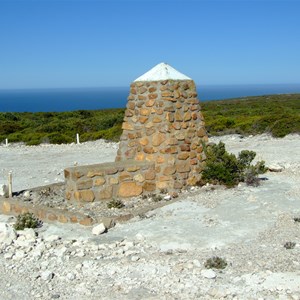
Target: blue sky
<point>110,43</point>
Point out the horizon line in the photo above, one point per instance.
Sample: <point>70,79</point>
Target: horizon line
<point>123,86</point>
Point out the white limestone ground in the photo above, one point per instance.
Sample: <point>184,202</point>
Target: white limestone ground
<point>161,255</point>
<point>41,165</point>
<point>162,71</point>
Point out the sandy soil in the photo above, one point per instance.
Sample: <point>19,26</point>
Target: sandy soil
<point>162,254</point>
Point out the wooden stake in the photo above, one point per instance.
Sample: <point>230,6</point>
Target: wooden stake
<point>6,142</point>
<point>77,138</point>
<point>10,184</point>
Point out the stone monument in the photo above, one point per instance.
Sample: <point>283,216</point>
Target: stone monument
<point>163,124</point>
<point>161,147</point>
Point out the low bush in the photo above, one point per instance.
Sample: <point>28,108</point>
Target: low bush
<point>115,203</point>
<point>27,220</point>
<point>215,263</point>
<point>157,198</point>
<point>289,245</point>
<point>225,168</point>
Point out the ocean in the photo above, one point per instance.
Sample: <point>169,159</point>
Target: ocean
<point>41,100</point>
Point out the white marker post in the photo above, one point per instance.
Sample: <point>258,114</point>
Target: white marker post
<point>6,142</point>
<point>10,184</point>
<point>77,138</point>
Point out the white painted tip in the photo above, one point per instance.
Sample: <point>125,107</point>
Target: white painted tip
<point>162,71</point>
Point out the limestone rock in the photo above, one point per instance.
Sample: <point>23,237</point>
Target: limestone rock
<point>210,274</point>
<point>108,222</point>
<point>7,234</point>
<point>99,229</point>
<point>275,168</point>
<point>28,233</point>
<point>4,190</point>
<point>52,238</point>
<point>26,195</point>
<point>167,197</point>
<point>47,275</point>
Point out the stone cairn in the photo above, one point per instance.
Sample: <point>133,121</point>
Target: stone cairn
<point>163,124</point>
<point>161,147</point>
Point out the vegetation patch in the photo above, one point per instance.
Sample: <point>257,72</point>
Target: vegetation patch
<point>27,220</point>
<point>215,262</point>
<point>61,127</point>
<point>289,245</point>
<point>225,168</point>
<point>278,115</point>
<point>115,203</point>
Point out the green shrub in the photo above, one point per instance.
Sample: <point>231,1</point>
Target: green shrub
<point>27,220</point>
<point>225,168</point>
<point>115,203</point>
<point>58,138</point>
<point>215,263</point>
<point>156,198</point>
<point>275,114</point>
<point>278,115</point>
<point>289,245</point>
<point>285,125</point>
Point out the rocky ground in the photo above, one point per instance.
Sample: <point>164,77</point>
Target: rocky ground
<point>161,254</point>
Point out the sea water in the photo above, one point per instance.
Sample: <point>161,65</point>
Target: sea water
<point>34,100</point>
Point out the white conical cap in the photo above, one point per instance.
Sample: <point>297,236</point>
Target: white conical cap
<point>162,71</point>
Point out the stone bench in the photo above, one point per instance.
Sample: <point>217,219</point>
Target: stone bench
<point>106,181</point>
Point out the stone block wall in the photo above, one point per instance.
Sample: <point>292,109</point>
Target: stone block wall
<point>108,180</point>
<point>163,124</point>
<point>44,213</point>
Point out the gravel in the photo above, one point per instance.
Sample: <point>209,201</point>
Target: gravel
<point>162,254</point>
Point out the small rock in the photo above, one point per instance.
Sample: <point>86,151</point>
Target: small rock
<point>8,255</point>
<point>219,293</point>
<point>44,265</point>
<point>26,195</point>
<point>275,168</point>
<point>4,190</point>
<point>36,254</point>
<point>80,253</point>
<point>135,258</point>
<point>210,274</point>
<point>52,238</point>
<point>102,247</point>
<point>128,245</point>
<point>47,275</point>
<point>197,263</point>
<point>108,222</point>
<point>20,254</point>
<point>99,229</point>
<point>139,237</point>
<point>167,198</point>
<point>7,234</point>
<point>28,233</point>
<point>60,252</point>
<point>71,276</point>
